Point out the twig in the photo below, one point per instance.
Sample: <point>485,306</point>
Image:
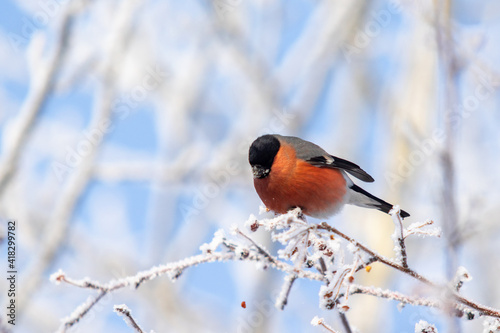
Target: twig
<point>377,257</point>
<point>393,295</point>
<point>261,250</point>
<point>316,321</point>
<point>345,322</point>
<point>482,309</point>
<point>405,299</point>
<point>322,266</point>
<point>80,312</point>
<point>366,263</point>
<point>398,236</point>
<point>282,299</point>
<point>333,279</point>
<point>173,269</point>
<point>124,312</point>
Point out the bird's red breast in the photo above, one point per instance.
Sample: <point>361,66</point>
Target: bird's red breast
<point>293,182</point>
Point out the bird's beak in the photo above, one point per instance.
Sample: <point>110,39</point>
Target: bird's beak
<point>259,172</point>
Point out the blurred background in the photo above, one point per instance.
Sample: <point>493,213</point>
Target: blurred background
<point>125,127</point>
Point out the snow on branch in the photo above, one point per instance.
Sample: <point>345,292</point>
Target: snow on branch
<point>316,321</point>
<point>461,276</point>
<point>491,325</point>
<point>424,327</point>
<point>310,251</point>
<point>124,312</point>
<point>398,237</point>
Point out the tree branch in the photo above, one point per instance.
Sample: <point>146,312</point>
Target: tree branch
<point>376,256</point>
<point>337,275</point>
<point>482,309</point>
<point>124,311</point>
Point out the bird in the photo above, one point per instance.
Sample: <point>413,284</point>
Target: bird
<point>290,172</point>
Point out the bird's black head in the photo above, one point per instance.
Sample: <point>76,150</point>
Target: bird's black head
<point>261,155</point>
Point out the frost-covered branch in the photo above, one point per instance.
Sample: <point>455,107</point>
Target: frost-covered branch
<point>124,312</point>
<point>282,299</point>
<point>374,256</point>
<point>316,321</point>
<point>460,309</point>
<point>424,327</point>
<point>482,309</point>
<point>306,248</point>
<point>173,270</point>
<point>398,237</point>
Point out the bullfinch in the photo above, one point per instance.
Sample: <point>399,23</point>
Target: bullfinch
<point>290,172</point>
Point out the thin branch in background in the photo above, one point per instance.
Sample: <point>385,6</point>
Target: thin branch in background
<point>450,74</point>
<point>124,312</point>
<point>450,77</point>
<point>260,248</point>
<point>41,85</point>
<point>75,186</point>
<point>316,321</point>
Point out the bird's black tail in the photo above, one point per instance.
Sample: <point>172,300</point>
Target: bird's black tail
<point>371,201</point>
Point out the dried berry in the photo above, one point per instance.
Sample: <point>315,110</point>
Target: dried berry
<point>244,254</point>
<point>330,304</point>
<point>254,226</point>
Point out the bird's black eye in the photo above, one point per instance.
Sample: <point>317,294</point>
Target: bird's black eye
<point>263,150</point>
